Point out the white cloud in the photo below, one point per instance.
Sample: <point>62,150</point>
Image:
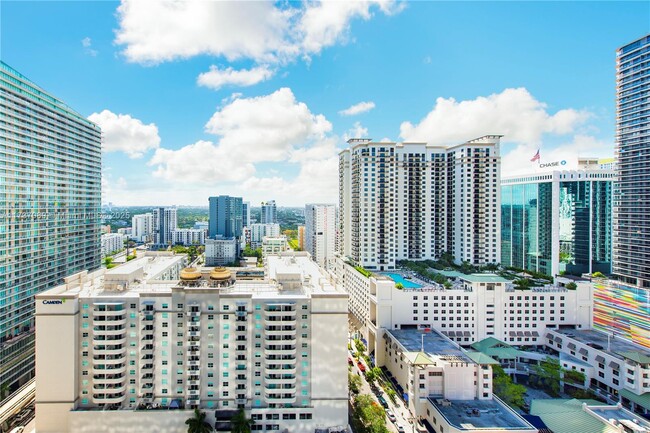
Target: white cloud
<point>357,131</point>
<point>86,43</point>
<point>216,78</point>
<point>123,133</point>
<point>158,31</point>
<point>359,108</point>
<point>518,160</point>
<point>515,113</point>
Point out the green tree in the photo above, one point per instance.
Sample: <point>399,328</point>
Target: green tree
<point>571,286</point>
<point>547,374</point>
<point>198,424</point>
<point>4,391</point>
<point>368,416</point>
<point>373,374</point>
<point>241,424</point>
<point>399,286</point>
<point>574,376</point>
<point>354,383</point>
<point>598,275</point>
<point>506,389</point>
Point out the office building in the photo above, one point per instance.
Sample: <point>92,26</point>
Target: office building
<point>301,238</point>
<point>50,200</point>
<point>112,243</point>
<point>259,231</point>
<point>269,213</point>
<point>558,222</point>
<point>246,214</point>
<point>320,232</point>
<point>142,228</point>
<point>151,335</point>
<point>220,251</point>
<point>164,223</point>
<point>445,386</point>
<point>631,216</point>
<point>225,216</point>
<point>274,245</point>
<point>188,236</point>
<point>417,201</point>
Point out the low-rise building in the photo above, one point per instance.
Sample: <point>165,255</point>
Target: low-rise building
<point>220,251</point>
<point>189,236</point>
<point>112,243</point>
<point>274,245</point>
<point>138,347</point>
<point>259,231</point>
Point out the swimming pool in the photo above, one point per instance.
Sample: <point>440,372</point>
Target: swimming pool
<point>398,278</point>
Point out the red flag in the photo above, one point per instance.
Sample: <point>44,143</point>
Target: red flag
<point>536,157</point>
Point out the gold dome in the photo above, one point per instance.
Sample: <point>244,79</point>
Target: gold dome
<point>220,274</point>
<point>190,274</point>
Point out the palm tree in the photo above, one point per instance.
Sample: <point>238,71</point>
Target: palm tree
<point>241,424</point>
<point>198,424</point>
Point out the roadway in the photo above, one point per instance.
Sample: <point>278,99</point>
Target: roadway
<point>19,409</point>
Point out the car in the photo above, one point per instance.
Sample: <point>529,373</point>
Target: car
<point>361,366</point>
<point>382,401</point>
<point>390,415</point>
<point>400,428</point>
<point>350,361</point>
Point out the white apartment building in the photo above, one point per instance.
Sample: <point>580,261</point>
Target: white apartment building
<point>274,245</point>
<point>112,242</point>
<point>320,232</point>
<point>220,251</point>
<point>445,385</point>
<point>189,236</point>
<point>114,347</point>
<point>416,201</point>
<point>126,231</point>
<point>259,231</point>
<point>142,227</point>
<point>164,223</point>
<point>477,306</point>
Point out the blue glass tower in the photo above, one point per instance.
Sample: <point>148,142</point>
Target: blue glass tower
<point>225,216</point>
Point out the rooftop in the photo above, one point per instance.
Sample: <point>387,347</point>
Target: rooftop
<point>617,347</point>
<point>483,278</point>
<point>434,344</point>
<point>480,414</point>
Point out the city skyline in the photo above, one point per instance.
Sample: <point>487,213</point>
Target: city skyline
<point>332,80</point>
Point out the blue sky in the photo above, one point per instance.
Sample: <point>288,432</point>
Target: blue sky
<point>267,122</point>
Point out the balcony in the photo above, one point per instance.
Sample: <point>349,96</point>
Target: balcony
<point>108,398</point>
<point>193,393</point>
<point>111,313</point>
<point>195,363</point>
<point>146,378</point>
<point>109,340</point>
<point>280,398</point>
<point>110,321</point>
<point>193,343</point>
<point>108,379</point>
<point>194,314</point>
<point>102,369</point>
<point>113,360</point>
<point>291,322</point>
<point>117,388</point>
<point>194,382</point>
<point>194,333</point>
<point>102,350</point>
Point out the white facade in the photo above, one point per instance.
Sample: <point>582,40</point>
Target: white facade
<point>274,245</point>
<point>416,201</point>
<point>220,251</point>
<point>275,346</point>
<point>259,231</point>
<point>320,232</point>
<point>112,242</point>
<point>189,236</point>
<point>142,227</point>
<point>476,307</point>
<point>164,223</point>
<point>125,231</point>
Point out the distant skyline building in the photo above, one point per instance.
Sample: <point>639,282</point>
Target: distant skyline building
<point>112,243</point>
<point>188,236</point>
<point>259,231</point>
<point>142,229</point>
<point>246,214</point>
<point>320,232</point>
<point>417,201</point>
<point>269,213</point>
<point>558,221</point>
<point>301,237</point>
<point>220,251</point>
<point>50,201</point>
<point>225,216</point>
<point>165,221</point>
<point>632,203</point>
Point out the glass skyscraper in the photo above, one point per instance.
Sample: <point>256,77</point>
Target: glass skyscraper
<point>50,198</point>
<point>558,222</point>
<point>225,216</point>
<point>632,205</point>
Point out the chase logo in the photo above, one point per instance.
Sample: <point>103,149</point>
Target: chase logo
<point>53,301</point>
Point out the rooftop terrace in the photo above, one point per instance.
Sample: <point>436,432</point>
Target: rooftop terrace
<point>599,340</point>
<point>480,414</point>
<point>434,344</point>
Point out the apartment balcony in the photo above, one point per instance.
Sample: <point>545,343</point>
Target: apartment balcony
<point>193,400</point>
<point>290,322</point>
<point>196,363</point>
<point>110,331</point>
<point>192,324</point>
<point>268,351</point>
<point>281,399</point>
<point>109,313</point>
<point>291,314</point>
<point>147,350</point>
<point>194,343</point>
<point>290,331</point>
<point>109,340</point>
<point>110,321</point>
<point>290,341</point>
<point>193,314</point>
<point>113,360</point>
<point>194,382</point>
<point>146,378</point>
<point>109,398</point>
<point>105,369</point>
<point>148,318</point>
<point>117,388</point>
<point>281,379</point>
<point>108,379</point>
<point>147,367</point>
<point>194,333</point>
<point>109,351</point>
<point>193,393</point>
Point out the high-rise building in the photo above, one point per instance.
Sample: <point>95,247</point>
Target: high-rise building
<point>150,335</point>
<point>632,196</point>
<point>112,243</point>
<point>246,214</point>
<point>269,213</point>
<point>50,200</point>
<point>142,227</point>
<point>164,223</point>
<point>188,236</point>
<point>558,222</point>
<point>259,231</point>
<point>225,216</point>
<point>220,251</point>
<point>417,201</point>
<point>320,232</point>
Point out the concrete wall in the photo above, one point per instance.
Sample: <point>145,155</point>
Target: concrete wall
<point>128,421</point>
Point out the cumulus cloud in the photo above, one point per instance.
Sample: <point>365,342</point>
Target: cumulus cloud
<point>514,113</point>
<point>216,78</point>
<point>123,133</point>
<point>270,128</point>
<point>357,131</point>
<point>87,44</point>
<point>359,108</point>
<point>158,31</point>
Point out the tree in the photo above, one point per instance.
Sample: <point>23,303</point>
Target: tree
<point>368,416</point>
<point>354,383</point>
<point>505,389</point>
<point>4,391</point>
<point>198,424</point>
<point>547,374</point>
<point>399,286</point>
<point>241,424</point>
<point>598,275</point>
<point>574,376</point>
<point>571,286</point>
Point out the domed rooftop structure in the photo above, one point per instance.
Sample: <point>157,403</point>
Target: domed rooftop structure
<point>220,274</point>
<point>190,274</point>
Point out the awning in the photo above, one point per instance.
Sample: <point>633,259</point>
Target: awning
<point>513,334</point>
<point>614,365</point>
<point>583,351</point>
<point>520,334</point>
<point>600,359</point>
<point>535,334</point>
<point>467,333</point>
<point>571,346</point>
<point>452,333</point>
<point>527,333</point>
<point>549,335</point>
<point>558,339</point>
